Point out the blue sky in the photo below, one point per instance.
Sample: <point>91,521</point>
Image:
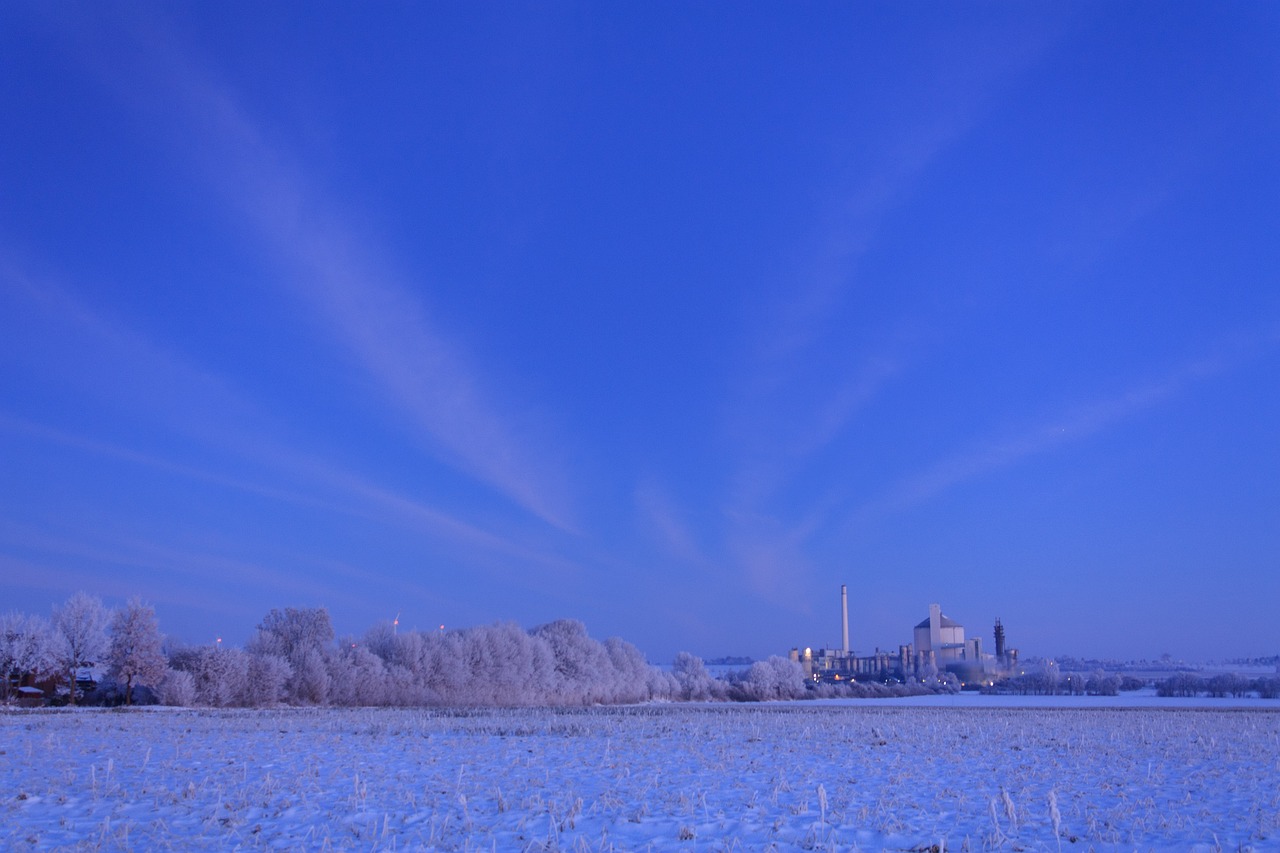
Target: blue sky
<point>667,317</point>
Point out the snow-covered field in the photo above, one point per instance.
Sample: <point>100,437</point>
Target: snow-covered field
<point>664,777</point>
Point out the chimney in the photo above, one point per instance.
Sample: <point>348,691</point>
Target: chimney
<point>844,618</point>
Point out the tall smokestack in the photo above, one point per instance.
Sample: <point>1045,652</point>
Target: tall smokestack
<point>844,618</point>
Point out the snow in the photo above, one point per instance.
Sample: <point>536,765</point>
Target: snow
<point>1145,698</point>
<point>782,776</point>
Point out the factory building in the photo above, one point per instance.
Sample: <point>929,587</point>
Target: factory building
<point>831,664</point>
<point>938,645</point>
<point>944,637</point>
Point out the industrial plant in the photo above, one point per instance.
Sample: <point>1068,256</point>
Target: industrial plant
<point>937,646</point>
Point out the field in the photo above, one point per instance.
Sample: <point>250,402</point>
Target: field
<point>781,776</point>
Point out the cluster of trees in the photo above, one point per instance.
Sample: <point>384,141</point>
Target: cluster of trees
<point>1223,685</point>
<point>1051,681</point>
<point>82,633</point>
<point>295,658</point>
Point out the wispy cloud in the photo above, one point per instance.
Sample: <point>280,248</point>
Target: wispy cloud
<point>347,494</point>
<point>64,339</point>
<point>793,400</point>
<point>804,380</point>
<point>1073,425</point>
<point>109,359</point>
<point>115,451</point>
<point>338,274</point>
<point>162,577</point>
<point>419,514</point>
<point>161,561</point>
<point>891,173</point>
<point>663,521</point>
<point>780,442</point>
<point>772,561</point>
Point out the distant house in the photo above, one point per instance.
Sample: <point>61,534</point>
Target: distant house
<point>29,687</point>
<point>26,686</point>
<point>85,680</point>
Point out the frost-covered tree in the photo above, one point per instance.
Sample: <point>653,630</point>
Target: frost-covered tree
<point>310,683</point>
<point>220,675</point>
<point>1268,687</point>
<point>499,664</point>
<point>356,676</point>
<point>1228,684</point>
<point>444,668</point>
<point>80,635</point>
<point>266,681</point>
<point>1052,677</point>
<point>631,678</point>
<point>508,666</point>
<point>26,647</point>
<point>177,688</point>
<point>383,640</point>
<point>294,631</point>
<point>580,662</point>
<point>694,682</point>
<point>1183,684</point>
<point>774,678</point>
<point>1102,684</point>
<point>134,653</point>
<point>403,656</point>
<point>662,684</point>
<point>302,636</point>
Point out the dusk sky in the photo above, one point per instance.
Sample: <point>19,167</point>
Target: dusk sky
<point>670,318</point>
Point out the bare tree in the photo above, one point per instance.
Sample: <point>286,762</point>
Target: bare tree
<point>135,652</point>
<point>81,635</point>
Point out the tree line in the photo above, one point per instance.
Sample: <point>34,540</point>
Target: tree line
<point>295,658</point>
<point>1225,684</point>
<point>1051,682</point>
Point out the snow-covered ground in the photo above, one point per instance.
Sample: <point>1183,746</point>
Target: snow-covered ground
<point>1145,698</point>
<point>664,777</point>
